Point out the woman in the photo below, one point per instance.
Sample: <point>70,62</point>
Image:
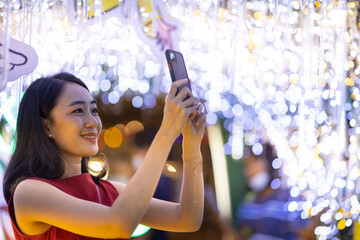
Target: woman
<point>264,214</point>
<point>50,193</point>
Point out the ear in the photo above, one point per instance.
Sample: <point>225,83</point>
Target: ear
<point>46,125</point>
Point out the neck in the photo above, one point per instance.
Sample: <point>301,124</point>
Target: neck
<point>72,167</point>
<point>264,194</point>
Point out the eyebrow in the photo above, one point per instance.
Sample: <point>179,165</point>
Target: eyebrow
<point>81,102</point>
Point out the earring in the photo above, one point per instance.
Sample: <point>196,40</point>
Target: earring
<point>49,135</point>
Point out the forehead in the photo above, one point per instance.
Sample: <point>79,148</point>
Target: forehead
<point>74,92</point>
<point>254,160</point>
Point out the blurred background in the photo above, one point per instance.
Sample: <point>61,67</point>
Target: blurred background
<point>272,74</point>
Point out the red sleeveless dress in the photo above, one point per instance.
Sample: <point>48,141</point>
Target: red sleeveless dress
<point>81,186</point>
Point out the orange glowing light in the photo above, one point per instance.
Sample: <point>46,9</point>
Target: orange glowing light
<point>134,127</point>
<point>113,137</point>
<point>122,128</point>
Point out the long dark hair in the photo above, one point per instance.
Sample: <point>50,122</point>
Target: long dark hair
<point>35,154</point>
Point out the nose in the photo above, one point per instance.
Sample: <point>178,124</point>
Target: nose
<point>90,121</point>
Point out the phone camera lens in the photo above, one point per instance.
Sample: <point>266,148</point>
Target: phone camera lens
<point>172,56</point>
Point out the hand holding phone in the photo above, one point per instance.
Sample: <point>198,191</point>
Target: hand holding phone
<point>177,67</point>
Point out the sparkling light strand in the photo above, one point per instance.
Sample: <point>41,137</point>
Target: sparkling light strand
<point>272,70</point>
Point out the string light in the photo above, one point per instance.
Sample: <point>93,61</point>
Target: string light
<point>286,72</point>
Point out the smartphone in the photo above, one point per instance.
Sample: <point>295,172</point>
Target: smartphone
<point>177,67</point>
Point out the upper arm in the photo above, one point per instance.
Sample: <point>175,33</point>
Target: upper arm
<point>39,202</point>
<point>160,214</point>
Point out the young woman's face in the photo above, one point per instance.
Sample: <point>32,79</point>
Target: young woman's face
<point>253,166</point>
<point>75,125</point>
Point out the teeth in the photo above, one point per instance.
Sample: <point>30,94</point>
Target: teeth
<point>89,137</point>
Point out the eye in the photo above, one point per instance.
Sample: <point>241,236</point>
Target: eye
<point>95,110</point>
<point>78,110</point>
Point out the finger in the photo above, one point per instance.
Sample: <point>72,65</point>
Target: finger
<point>190,102</point>
<point>199,107</point>
<point>200,119</point>
<point>191,112</point>
<point>174,86</point>
<point>183,94</point>
<point>196,102</point>
<point>180,82</point>
<point>172,93</point>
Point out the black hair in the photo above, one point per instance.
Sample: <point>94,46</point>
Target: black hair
<point>35,154</point>
<point>145,137</point>
<point>267,155</point>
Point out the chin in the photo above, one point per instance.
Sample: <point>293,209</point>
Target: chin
<point>90,152</point>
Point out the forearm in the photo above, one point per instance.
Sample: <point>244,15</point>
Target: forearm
<point>192,192</point>
<point>135,198</point>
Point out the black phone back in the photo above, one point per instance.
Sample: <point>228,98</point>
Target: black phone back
<point>177,67</point>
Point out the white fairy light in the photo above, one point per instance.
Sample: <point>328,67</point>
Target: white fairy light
<point>283,67</point>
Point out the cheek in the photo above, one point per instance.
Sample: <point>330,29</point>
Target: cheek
<point>99,125</point>
<point>66,128</point>
<point>252,169</point>
<point>65,135</point>
<point>248,172</point>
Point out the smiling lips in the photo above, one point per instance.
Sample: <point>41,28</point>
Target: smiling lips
<point>91,137</point>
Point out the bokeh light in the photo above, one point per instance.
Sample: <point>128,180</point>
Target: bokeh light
<point>286,73</point>
<point>113,137</point>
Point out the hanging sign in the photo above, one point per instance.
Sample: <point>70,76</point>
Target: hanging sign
<point>16,58</point>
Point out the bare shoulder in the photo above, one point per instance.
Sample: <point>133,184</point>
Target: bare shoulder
<point>31,182</point>
<point>31,190</point>
<point>28,186</point>
<point>29,197</point>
